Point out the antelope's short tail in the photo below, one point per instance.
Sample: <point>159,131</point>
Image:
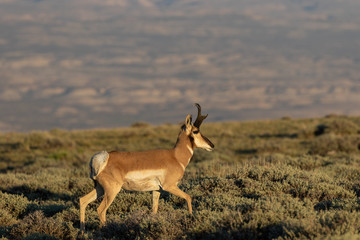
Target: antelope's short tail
<point>98,163</point>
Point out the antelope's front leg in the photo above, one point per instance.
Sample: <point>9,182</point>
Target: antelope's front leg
<point>176,191</point>
<point>156,196</point>
<point>110,192</point>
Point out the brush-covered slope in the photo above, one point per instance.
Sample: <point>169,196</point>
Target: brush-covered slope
<point>281,179</point>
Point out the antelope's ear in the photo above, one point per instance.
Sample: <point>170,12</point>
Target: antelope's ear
<point>188,120</point>
<point>188,123</point>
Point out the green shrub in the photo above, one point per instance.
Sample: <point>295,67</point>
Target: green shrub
<point>14,204</point>
<point>6,218</point>
<point>44,140</point>
<point>271,147</point>
<point>140,125</point>
<point>330,143</point>
<point>142,225</point>
<point>37,225</point>
<point>307,132</point>
<point>338,127</point>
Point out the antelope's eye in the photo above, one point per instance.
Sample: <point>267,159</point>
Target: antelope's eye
<point>195,132</point>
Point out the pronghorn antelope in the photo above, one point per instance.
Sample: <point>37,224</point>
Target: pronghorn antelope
<point>152,170</point>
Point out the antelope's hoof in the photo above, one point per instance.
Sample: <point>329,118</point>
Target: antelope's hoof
<point>80,234</point>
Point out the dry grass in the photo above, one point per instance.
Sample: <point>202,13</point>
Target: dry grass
<point>280,179</point>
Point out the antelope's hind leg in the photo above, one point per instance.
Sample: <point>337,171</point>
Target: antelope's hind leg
<point>96,193</point>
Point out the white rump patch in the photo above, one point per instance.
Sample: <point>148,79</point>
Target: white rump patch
<point>98,163</point>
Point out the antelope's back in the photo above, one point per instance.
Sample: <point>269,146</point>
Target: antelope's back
<point>151,159</point>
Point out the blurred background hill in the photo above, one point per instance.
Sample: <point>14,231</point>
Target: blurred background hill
<point>90,64</point>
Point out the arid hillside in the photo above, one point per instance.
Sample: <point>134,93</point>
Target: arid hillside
<point>279,179</point>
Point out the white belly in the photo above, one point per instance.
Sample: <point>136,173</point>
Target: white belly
<point>145,180</point>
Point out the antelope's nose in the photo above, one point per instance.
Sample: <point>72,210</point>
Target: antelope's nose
<point>212,146</point>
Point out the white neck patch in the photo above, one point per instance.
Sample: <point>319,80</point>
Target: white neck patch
<point>190,149</point>
<point>182,165</point>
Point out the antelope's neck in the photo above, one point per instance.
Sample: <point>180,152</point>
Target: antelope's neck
<point>184,150</point>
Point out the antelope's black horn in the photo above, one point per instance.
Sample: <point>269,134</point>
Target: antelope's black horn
<point>200,117</point>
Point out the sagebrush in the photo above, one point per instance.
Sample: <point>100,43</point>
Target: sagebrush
<point>278,179</point>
